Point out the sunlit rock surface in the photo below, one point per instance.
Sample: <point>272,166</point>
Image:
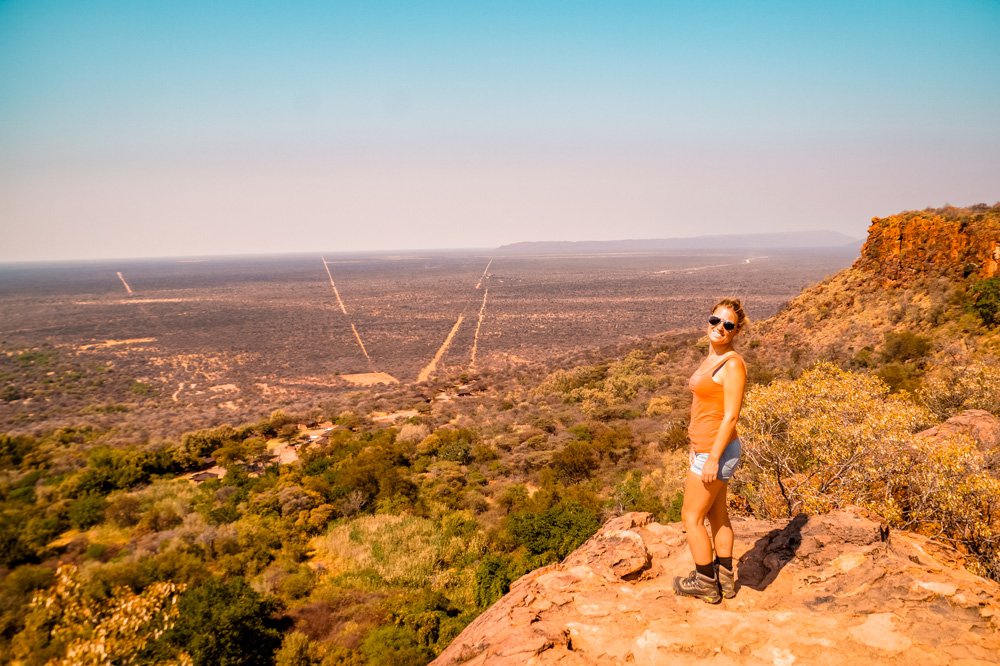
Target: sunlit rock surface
<point>832,589</point>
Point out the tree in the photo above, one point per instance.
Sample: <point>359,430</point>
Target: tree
<point>227,623</point>
<point>115,630</point>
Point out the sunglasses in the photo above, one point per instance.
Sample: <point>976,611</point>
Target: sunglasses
<point>713,321</point>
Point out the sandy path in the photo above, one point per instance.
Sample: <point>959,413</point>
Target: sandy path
<point>483,276</point>
<point>178,391</point>
<point>475,339</point>
<point>432,366</point>
<point>702,268</point>
<point>692,269</point>
<point>362,345</point>
<point>122,278</point>
<point>343,309</point>
<point>335,292</point>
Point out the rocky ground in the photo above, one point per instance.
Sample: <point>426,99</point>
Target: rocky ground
<point>831,589</point>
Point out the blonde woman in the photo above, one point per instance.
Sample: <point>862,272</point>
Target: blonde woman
<point>718,386</point>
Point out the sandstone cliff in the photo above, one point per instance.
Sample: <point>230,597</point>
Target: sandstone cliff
<point>833,589</point>
<point>948,242</point>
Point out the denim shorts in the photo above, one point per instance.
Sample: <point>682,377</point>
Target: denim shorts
<point>728,462</point>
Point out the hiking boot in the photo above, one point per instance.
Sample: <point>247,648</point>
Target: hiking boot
<point>727,581</point>
<point>698,585</point>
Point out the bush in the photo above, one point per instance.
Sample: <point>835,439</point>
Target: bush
<point>123,511</point>
<point>575,460</point>
<point>952,389</point>
<point>87,511</point>
<point>297,650</point>
<point>952,496</point>
<point>986,300</point>
<point>900,376</point>
<point>828,439</point>
<point>629,495</point>
<point>557,531</point>
<point>904,346</point>
<point>492,580</point>
<point>395,646</point>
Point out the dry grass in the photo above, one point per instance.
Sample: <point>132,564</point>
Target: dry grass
<point>402,550</point>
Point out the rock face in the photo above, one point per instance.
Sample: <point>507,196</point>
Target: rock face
<point>831,589</point>
<point>941,242</point>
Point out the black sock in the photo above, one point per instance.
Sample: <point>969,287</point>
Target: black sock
<point>706,570</point>
<point>725,562</point>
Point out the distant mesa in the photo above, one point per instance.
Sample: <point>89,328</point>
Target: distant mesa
<point>777,241</point>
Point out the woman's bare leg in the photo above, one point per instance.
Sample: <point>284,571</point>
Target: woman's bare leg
<point>722,529</point>
<point>699,498</point>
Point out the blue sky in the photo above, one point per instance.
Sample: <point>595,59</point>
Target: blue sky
<point>131,129</point>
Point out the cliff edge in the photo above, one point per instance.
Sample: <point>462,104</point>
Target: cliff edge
<point>830,589</point>
<point>949,242</point>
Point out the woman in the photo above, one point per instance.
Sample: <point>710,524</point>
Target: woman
<point>715,453</point>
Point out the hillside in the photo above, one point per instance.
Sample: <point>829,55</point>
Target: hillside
<point>920,276</point>
<point>415,508</point>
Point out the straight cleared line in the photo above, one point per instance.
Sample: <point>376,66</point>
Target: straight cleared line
<point>432,366</point>
<point>332,284</point>
<point>475,340</point>
<point>122,278</point>
<point>357,336</point>
<point>480,283</point>
<point>362,345</point>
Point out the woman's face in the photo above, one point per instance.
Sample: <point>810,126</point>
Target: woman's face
<point>718,333</point>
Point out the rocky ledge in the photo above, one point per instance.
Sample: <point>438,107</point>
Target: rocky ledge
<point>831,589</point>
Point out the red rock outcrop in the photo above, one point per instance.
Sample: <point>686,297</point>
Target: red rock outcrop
<point>946,241</point>
<point>978,424</point>
<point>831,589</point>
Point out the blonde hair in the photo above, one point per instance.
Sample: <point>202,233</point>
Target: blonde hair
<point>737,307</point>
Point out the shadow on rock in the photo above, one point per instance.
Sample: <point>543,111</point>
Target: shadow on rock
<point>761,565</point>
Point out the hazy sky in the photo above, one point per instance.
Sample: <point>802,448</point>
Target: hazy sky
<point>137,128</point>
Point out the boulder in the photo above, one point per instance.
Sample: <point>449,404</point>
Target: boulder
<point>978,424</point>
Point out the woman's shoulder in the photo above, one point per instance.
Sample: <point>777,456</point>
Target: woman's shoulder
<point>732,355</point>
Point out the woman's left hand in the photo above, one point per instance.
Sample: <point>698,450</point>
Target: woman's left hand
<point>710,471</point>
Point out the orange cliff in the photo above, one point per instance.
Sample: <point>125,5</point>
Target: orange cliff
<point>950,242</point>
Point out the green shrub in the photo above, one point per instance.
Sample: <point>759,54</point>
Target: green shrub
<point>297,650</point>
<point>493,577</point>
<point>900,376</point>
<point>575,460</point>
<point>630,496</point>
<point>87,511</point>
<point>557,531</point>
<point>395,646</point>
<point>904,346</point>
<point>986,300</point>
<point>124,511</point>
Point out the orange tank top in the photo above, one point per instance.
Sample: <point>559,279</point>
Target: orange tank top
<point>707,407</point>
